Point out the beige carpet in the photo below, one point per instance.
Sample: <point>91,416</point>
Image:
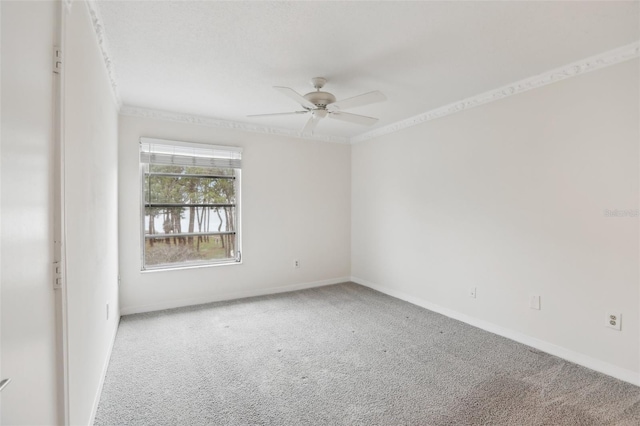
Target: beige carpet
<point>342,355</point>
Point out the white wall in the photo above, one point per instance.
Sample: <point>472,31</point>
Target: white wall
<point>295,204</point>
<point>28,316</point>
<point>91,202</point>
<point>509,198</point>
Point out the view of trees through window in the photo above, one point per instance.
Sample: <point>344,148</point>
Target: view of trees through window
<point>190,214</point>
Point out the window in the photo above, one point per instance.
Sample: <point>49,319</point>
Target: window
<point>190,204</point>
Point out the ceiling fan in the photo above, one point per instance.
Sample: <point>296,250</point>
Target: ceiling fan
<point>323,104</point>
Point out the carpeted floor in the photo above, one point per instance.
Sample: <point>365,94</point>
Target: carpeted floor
<point>342,355</point>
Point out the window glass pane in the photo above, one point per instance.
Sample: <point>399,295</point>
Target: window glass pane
<point>186,219</point>
<point>192,185</point>
<point>188,250</point>
<point>188,234</point>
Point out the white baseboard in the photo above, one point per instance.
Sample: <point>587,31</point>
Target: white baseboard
<point>128,310</point>
<point>550,348</point>
<point>103,375</point>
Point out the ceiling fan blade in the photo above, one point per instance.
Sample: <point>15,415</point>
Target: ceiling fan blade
<point>360,100</point>
<point>278,113</point>
<point>311,124</point>
<point>287,91</point>
<point>353,118</point>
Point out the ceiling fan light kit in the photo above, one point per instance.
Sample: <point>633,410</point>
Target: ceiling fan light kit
<point>322,104</point>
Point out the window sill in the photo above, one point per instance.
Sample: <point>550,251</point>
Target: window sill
<point>181,268</point>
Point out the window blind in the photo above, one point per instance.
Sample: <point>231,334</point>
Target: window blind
<point>175,153</point>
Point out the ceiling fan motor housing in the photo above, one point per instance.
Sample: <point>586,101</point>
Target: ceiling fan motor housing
<point>320,99</point>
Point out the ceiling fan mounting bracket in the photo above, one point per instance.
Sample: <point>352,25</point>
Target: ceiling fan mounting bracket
<point>318,82</point>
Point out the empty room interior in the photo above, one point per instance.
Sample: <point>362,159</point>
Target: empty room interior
<point>320,213</point>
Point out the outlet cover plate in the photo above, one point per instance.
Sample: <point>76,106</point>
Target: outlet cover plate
<point>614,321</point>
<point>534,302</point>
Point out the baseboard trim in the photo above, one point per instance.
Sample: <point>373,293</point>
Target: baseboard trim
<point>228,296</point>
<point>103,375</point>
<point>550,348</point>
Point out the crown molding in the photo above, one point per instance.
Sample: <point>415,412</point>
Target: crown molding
<point>592,63</point>
<point>175,117</point>
<point>98,28</point>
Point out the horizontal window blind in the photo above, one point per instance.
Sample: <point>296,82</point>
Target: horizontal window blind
<point>175,153</point>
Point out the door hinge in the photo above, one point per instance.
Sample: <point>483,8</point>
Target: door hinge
<point>57,59</point>
<point>57,276</point>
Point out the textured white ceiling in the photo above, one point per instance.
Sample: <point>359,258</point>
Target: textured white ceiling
<point>221,59</point>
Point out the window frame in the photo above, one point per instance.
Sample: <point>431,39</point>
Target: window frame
<point>237,179</point>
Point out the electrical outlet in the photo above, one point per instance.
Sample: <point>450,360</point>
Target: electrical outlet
<point>614,321</point>
<point>534,302</point>
<point>296,263</point>
<point>472,292</point>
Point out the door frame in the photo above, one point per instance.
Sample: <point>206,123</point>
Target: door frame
<point>59,269</point>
